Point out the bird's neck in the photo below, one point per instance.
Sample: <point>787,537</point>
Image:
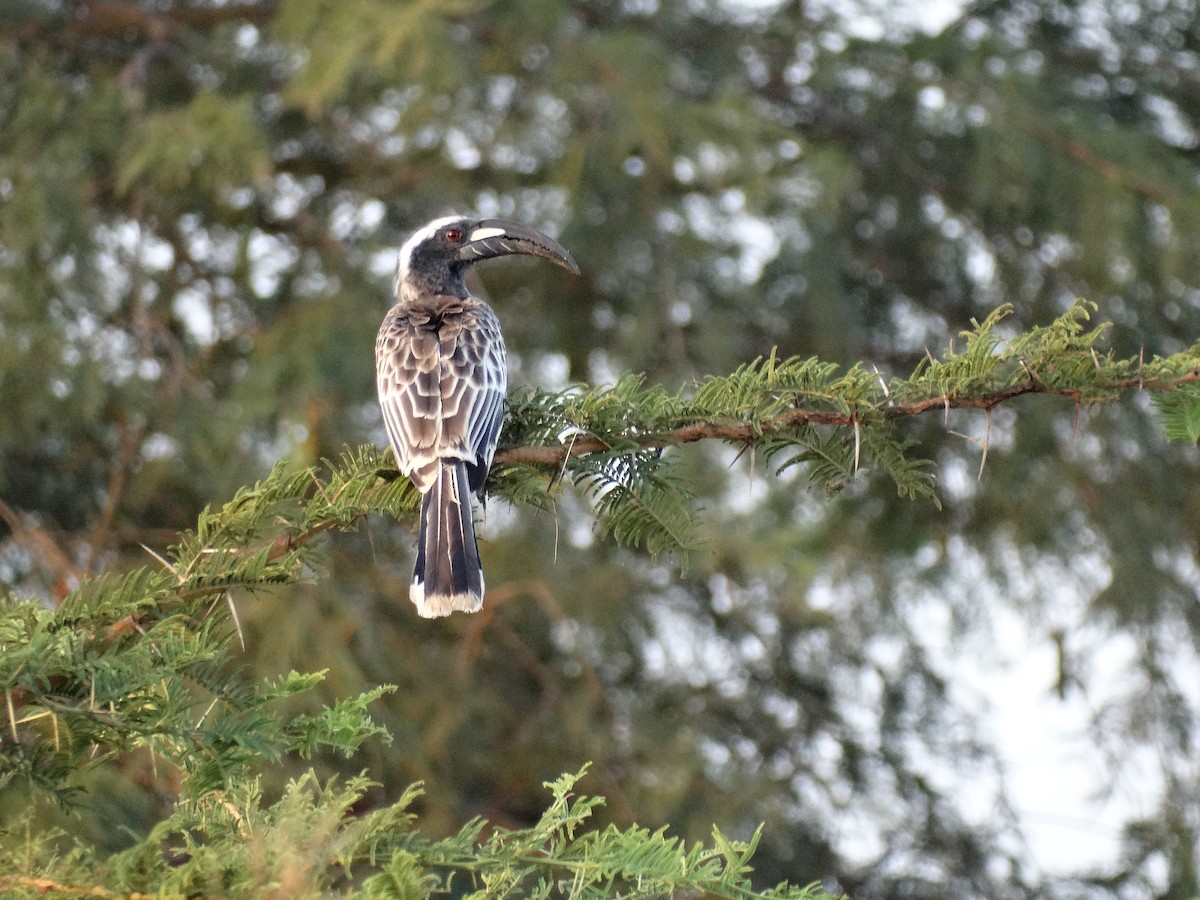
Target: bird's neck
<point>417,292</point>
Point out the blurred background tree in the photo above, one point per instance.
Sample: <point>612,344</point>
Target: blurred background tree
<point>199,205</point>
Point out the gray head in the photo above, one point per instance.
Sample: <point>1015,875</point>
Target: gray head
<point>434,260</point>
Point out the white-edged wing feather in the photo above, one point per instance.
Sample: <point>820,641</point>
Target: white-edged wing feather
<point>442,377</point>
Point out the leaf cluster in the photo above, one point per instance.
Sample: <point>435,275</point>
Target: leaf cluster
<point>832,422</point>
<point>558,857</point>
<point>142,662</point>
<point>139,660</point>
<point>315,840</point>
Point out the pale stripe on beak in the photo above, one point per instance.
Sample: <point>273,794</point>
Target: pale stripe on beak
<point>482,234</point>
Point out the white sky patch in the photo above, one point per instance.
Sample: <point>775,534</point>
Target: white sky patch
<point>932,97</point>
<point>1054,770</point>
<point>290,195</point>
<point>124,248</point>
<point>579,534</point>
<point>992,637</point>
<point>724,218</point>
<point>132,243</point>
<point>270,257</point>
<point>353,220</point>
<point>682,650</point>
<point>550,370</point>
<point>760,244</point>
<point>268,449</point>
<point>914,328</point>
<point>746,486</point>
<point>159,446</point>
<point>601,369</point>
<point>382,263</point>
<point>981,264</point>
<point>1004,674</point>
<point>463,151</point>
<point>1173,125</point>
<point>892,19</point>
<point>195,312</point>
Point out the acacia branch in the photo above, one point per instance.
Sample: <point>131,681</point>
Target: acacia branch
<point>877,409</point>
<point>885,409</point>
<point>752,433</point>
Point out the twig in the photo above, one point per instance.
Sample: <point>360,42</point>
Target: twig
<point>60,568</point>
<point>50,886</point>
<point>753,433</point>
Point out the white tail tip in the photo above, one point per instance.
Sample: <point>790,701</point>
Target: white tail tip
<point>437,605</point>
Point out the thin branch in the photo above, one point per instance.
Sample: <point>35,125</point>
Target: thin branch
<point>49,885</point>
<point>1126,176</point>
<point>752,433</point>
<point>101,18</point>
<point>746,434</point>
<point>62,573</point>
<point>129,439</point>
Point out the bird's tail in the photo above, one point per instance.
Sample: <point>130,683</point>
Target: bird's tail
<point>448,576</point>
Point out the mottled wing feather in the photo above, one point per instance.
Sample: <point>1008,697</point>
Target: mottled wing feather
<point>442,379</point>
<point>486,413</point>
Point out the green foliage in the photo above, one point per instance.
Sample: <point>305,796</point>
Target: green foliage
<point>343,42</point>
<point>196,206</point>
<point>140,661</point>
<point>557,857</point>
<point>638,500</point>
<point>211,139</point>
<point>834,422</point>
<point>1180,412</point>
<point>312,841</point>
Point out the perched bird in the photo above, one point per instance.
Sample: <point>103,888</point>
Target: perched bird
<point>442,376</point>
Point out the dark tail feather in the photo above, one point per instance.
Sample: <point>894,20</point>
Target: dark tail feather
<point>448,576</point>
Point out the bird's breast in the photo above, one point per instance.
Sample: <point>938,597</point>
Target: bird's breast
<point>451,337</point>
<point>441,320</point>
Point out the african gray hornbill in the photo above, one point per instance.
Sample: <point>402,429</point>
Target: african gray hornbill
<point>442,376</point>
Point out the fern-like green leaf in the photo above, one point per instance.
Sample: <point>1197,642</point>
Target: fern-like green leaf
<point>1180,413</point>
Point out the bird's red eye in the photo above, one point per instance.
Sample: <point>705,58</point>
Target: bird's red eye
<point>454,235</point>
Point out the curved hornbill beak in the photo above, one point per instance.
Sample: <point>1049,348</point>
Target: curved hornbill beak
<point>502,237</point>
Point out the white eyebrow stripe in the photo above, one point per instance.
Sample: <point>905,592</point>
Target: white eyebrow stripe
<point>404,256</point>
<point>482,234</point>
